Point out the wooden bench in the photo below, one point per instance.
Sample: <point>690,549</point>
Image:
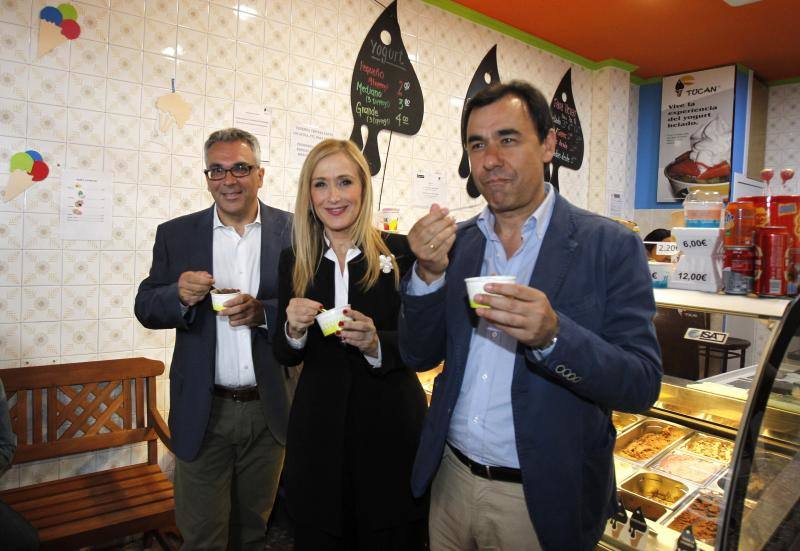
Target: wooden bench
<point>59,410</point>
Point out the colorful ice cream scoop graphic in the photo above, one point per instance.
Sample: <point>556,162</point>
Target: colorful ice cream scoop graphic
<point>25,167</point>
<point>56,26</point>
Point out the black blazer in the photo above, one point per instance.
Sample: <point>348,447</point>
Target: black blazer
<point>349,419</point>
<point>183,244</point>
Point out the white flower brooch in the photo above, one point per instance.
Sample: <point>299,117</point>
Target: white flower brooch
<point>386,263</point>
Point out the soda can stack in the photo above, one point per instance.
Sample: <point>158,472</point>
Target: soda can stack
<point>738,269</point>
<point>773,250</point>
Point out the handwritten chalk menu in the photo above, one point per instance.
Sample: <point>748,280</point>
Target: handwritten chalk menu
<point>485,75</point>
<point>569,136</point>
<point>384,92</point>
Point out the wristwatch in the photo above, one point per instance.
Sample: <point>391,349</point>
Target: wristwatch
<point>545,346</point>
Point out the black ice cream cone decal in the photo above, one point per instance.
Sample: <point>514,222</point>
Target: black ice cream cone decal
<point>384,92</point>
<point>569,136</point>
<point>485,75</point>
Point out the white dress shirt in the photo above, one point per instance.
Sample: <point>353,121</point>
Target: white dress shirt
<point>237,265</point>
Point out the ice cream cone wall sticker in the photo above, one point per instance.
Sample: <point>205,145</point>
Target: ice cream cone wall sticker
<point>26,168</point>
<point>56,26</point>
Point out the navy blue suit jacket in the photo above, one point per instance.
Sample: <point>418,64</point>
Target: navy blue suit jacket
<point>185,244</point>
<point>594,273</point>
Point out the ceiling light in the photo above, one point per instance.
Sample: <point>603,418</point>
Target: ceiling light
<point>737,3</point>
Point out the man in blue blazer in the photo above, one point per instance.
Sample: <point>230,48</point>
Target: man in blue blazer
<point>229,398</point>
<point>517,446</point>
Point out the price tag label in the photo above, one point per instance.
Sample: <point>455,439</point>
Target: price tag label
<point>667,248</point>
<point>706,335</point>
<point>695,243</point>
<point>700,277</point>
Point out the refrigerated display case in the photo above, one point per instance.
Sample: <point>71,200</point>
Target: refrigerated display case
<point>676,463</point>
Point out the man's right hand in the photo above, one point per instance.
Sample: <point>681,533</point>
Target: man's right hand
<point>430,239</point>
<point>193,286</point>
<point>300,313</point>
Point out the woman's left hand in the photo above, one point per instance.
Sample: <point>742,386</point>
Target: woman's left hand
<point>360,332</point>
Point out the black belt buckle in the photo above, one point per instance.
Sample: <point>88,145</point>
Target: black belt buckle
<point>246,394</point>
<point>238,394</point>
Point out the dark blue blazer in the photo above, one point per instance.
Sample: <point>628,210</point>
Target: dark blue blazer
<point>186,243</point>
<point>594,273</point>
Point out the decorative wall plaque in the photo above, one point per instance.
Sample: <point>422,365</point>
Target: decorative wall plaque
<point>384,92</point>
<point>569,136</point>
<point>485,75</point>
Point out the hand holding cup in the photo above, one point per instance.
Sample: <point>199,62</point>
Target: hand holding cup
<point>522,312</point>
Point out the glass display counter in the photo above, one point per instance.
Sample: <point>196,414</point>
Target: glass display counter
<point>715,462</point>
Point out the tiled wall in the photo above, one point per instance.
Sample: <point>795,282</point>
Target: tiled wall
<point>783,132</point>
<point>90,104</point>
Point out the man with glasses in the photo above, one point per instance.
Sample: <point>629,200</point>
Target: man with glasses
<point>229,398</point>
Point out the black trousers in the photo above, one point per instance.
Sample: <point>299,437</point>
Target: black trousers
<point>16,533</point>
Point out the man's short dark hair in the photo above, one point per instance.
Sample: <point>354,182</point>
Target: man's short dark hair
<point>538,108</point>
<point>230,135</point>
<point>658,234</point>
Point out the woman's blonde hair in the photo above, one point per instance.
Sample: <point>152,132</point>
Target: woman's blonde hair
<point>308,239</point>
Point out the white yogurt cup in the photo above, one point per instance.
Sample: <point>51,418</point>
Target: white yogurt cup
<point>475,286</point>
<point>219,299</point>
<point>329,319</point>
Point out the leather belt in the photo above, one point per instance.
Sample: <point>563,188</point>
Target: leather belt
<point>504,474</point>
<point>246,394</point>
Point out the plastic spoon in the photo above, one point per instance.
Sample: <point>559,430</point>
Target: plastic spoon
<point>766,175</point>
<point>786,175</point>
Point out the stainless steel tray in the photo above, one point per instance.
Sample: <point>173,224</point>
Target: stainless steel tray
<point>695,469</point>
<point>658,489</point>
<point>648,426</point>
<point>699,438</point>
<point>624,421</point>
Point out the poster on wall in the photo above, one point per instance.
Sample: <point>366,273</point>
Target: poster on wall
<point>256,119</point>
<point>303,139</point>
<point>696,133</point>
<point>86,205</point>
<point>384,91</point>
<point>485,75</point>
<point>567,124</point>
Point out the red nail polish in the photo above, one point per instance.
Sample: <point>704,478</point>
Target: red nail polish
<point>341,324</point>
<point>338,333</point>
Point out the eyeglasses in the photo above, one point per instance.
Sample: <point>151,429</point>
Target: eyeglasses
<point>239,170</point>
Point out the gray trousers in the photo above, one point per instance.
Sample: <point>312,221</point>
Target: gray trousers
<point>224,497</point>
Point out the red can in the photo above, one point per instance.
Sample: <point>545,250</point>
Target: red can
<point>740,222</point>
<point>773,245</point>
<point>738,270</point>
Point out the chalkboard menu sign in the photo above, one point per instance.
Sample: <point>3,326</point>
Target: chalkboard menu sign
<point>569,136</point>
<point>485,75</point>
<point>384,92</point>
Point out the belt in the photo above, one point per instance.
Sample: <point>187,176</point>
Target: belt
<point>504,474</point>
<point>245,394</point>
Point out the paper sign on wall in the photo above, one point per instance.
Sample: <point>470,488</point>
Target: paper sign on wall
<point>86,205</point>
<point>303,140</point>
<point>256,119</point>
<point>429,188</point>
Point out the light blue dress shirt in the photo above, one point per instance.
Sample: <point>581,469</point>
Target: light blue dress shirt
<point>482,425</point>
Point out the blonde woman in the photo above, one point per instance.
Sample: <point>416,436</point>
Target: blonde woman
<point>358,410</point>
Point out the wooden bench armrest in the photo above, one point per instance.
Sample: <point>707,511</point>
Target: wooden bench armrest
<point>162,429</point>
<point>154,418</point>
